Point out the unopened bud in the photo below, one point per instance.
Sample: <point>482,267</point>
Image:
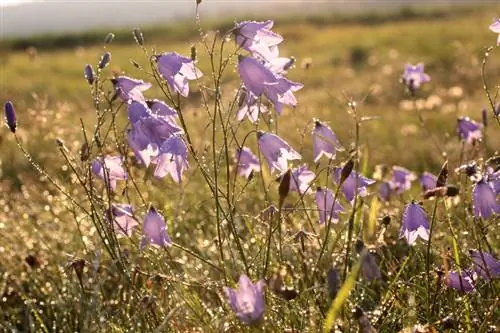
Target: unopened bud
<point>346,171</point>
<point>104,60</point>
<point>89,73</point>
<point>484,114</point>
<point>109,38</point>
<point>284,187</point>
<point>139,38</point>
<point>290,63</point>
<point>193,53</point>
<point>84,152</point>
<point>10,116</point>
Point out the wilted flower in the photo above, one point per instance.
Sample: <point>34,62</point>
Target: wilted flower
<point>485,265</point>
<point>106,57</point>
<point>328,210</point>
<point>484,200</point>
<point>246,162</point>
<point>258,80</point>
<point>247,301</point>
<point>428,181</point>
<point>130,89</point>
<point>88,71</point>
<point>257,37</point>
<point>177,70</point>
<point>325,142</point>
<point>414,76</point>
<point>414,223</point>
<point>172,159</point>
<point>10,116</point>
<point>349,188</point>
<point>110,169</point>
<point>463,281</point>
<point>122,219</point>
<point>401,179</point>
<point>276,151</point>
<point>495,27</point>
<point>300,179</point>
<point>154,230</point>
<point>468,130</point>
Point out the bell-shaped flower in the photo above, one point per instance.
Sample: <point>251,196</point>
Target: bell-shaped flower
<point>122,219</point>
<point>177,70</point>
<point>495,27</point>
<point>484,200</point>
<point>463,281</point>
<point>485,265</point>
<point>110,169</point>
<point>161,109</point>
<point>257,38</point>
<point>246,162</point>
<point>428,181</point>
<point>127,88</point>
<point>468,130</point>
<point>349,187</point>
<point>300,179</point>
<point>172,159</point>
<point>413,76</point>
<point>145,150</point>
<point>276,151</point>
<point>328,209</point>
<point>247,301</point>
<point>401,179</point>
<point>414,223</point>
<point>137,110</point>
<point>325,142</point>
<point>493,178</point>
<point>250,106</point>
<point>258,80</point>
<point>154,230</point>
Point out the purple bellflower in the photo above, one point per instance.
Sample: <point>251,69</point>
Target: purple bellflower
<point>246,162</point>
<point>258,80</point>
<point>300,179</point>
<point>493,178</point>
<point>172,159</point>
<point>328,210</point>
<point>247,301</point>
<point>428,181</point>
<point>123,219</point>
<point>145,150</point>
<point>128,88</point>
<point>10,116</point>
<point>178,70</point>
<point>137,110</point>
<point>161,109</point>
<point>485,265</point>
<point>257,38</point>
<point>484,200</point>
<point>349,186</point>
<point>468,130</point>
<point>401,179</point>
<point>463,282</point>
<point>250,106</point>
<point>276,151</point>
<point>414,224</point>
<point>369,268</point>
<point>325,142</point>
<point>88,71</point>
<point>385,191</point>
<point>413,76</point>
<point>495,27</point>
<point>110,169</point>
<point>154,230</point>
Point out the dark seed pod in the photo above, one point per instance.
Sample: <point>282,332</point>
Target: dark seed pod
<point>443,175</point>
<point>346,171</point>
<point>139,38</point>
<point>284,187</point>
<point>109,38</point>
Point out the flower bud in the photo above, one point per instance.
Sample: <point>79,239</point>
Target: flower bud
<point>193,52</point>
<point>10,115</point>
<point>139,38</point>
<point>104,60</point>
<point>284,187</point>
<point>89,73</point>
<point>109,38</point>
<point>346,171</point>
<point>443,175</point>
<point>484,114</point>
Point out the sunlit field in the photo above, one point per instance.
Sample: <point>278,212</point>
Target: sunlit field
<point>118,217</point>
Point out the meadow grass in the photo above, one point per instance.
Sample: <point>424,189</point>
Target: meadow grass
<point>62,269</point>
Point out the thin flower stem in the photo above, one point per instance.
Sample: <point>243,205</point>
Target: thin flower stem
<point>485,84</point>
<point>428,257</point>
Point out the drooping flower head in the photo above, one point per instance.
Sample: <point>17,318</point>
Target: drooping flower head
<point>161,109</point>
<point>258,80</point>
<point>177,70</point>
<point>110,169</point>
<point>247,301</point>
<point>413,76</point>
<point>414,223</point>
<point>463,281</point>
<point>349,187</point>
<point>468,130</point>
<point>325,142</point>
<point>10,116</point>
<point>485,264</point>
<point>276,151</point>
<point>257,38</point>
<point>300,179</point>
<point>484,200</point>
<point>128,88</point>
<point>122,219</point>
<point>137,110</point>
<point>401,179</point>
<point>250,106</point>
<point>172,159</point>
<point>154,230</point>
<point>495,27</point>
<point>428,181</point>
<point>246,162</point>
<point>328,209</point>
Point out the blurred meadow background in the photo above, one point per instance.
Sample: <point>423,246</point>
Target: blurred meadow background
<point>341,55</point>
